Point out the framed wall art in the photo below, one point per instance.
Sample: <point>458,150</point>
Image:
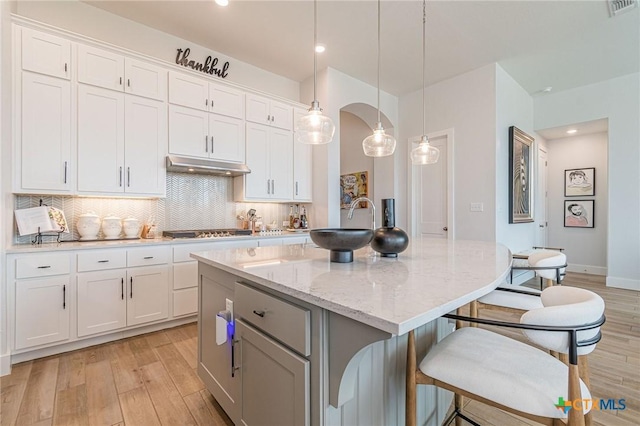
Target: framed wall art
<point>352,186</point>
<point>580,182</point>
<point>520,176</point>
<point>579,213</point>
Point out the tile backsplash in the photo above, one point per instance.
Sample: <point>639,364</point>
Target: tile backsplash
<point>192,202</point>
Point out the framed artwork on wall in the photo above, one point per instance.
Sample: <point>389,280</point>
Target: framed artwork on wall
<point>520,176</point>
<point>352,186</point>
<point>579,213</point>
<point>580,182</point>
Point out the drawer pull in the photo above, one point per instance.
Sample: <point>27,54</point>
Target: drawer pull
<point>44,267</point>
<point>64,297</point>
<point>148,257</point>
<point>259,313</point>
<point>131,288</point>
<point>122,288</point>
<point>103,261</point>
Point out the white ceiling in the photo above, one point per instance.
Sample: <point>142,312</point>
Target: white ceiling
<point>561,43</point>
<point>586,128</point>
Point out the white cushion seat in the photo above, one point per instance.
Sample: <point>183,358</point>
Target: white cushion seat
<point>514,300</point>
<point>547,259</point>
<point>501,370</point>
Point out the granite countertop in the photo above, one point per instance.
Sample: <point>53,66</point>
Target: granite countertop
<point>432,277</point>
<point>139,242</point>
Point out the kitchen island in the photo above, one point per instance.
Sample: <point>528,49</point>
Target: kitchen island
<point>315,342</point>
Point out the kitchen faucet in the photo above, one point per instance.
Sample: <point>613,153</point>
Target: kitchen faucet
<point>355,202</point>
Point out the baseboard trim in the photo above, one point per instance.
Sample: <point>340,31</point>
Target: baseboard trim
<point>587,269</point>
<point>29,355</point>
<point>626,283</point>
<point>5,364</point>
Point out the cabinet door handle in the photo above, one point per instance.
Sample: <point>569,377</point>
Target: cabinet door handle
<point>122,288</point>
<point>128,83</point>
<point>206,102</point>
<point>296,187</point>
<point>65,172</point>
<point>65,67</point>
<point>273,118</point>
<point>148,257</point>
<point>128,176</point>
<point>259,313</point>
<point>273,186</point>
<point>103,261</point>
<point>131,289</point>
<point>212,144</point>
<point>120,176</point>
<point>64,297</point>
<point>269,117</point>
<point>268,186</point>
<point>120,81</point>
<point>206,143</point>
<point>44,267</point>
<point>233,357</point>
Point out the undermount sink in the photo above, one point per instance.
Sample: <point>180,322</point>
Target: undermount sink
<point>341,241</point>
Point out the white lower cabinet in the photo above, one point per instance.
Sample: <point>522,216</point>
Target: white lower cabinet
<point>148,294</point>
<point>42,311</point>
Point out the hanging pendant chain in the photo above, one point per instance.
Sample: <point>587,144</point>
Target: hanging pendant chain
<point>378,61</point>
<point>315,43</point>
<point>424,54</point>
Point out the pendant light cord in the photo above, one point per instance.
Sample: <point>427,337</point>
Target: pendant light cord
<point>378,61</point>
<point>424,48</point>
<point>315,44</point>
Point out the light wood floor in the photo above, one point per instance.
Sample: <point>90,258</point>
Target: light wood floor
<point>151,379</point>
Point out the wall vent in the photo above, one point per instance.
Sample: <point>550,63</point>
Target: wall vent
<point>616,7</point>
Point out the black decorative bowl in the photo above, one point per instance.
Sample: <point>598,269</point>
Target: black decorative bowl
<point>341,241</point>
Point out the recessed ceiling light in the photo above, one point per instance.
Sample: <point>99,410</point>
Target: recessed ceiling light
<point>547,89</point>
<point>320,48</point>
<point>222,2</point>
<point>571,131</point>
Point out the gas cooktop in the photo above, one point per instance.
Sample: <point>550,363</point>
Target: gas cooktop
<point>206,233</point>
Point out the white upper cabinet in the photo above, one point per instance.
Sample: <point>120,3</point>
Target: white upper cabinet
<point>44,142</point>
<point>121,143</point>
<point>269,112</point>
<point>115,72</point>
<point>200,94</point>
<point>302,165</point>
<point>46,54</point>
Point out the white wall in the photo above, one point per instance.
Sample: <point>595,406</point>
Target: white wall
<point>514,107</point>
<point>87,20</point>
<point>466,103</point>
<point>586,248</point>
<point>616,99</point>
<point>337,90</point>
<point>352,159</point>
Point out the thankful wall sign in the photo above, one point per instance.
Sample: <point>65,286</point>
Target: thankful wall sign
<point>209,66</point>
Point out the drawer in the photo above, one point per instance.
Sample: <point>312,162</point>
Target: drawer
<point>286,322</point>
<point>99,260</point>
<point>185,302</point>
<point>185,275</point>
<point>42,265</point>
<point>148,256</point>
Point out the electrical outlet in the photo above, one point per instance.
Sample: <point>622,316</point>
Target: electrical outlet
<point>476,207</point>
<point>229,307</point>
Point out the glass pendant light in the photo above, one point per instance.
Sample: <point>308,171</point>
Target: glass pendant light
<point>379,144</point>
<point>315,128</point>
<point>424,153</point>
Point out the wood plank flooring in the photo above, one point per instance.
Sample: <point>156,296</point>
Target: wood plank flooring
<point>151,379</point>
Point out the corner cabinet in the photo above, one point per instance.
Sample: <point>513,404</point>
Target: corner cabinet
<point>121,143</point>
<point>270,158</point>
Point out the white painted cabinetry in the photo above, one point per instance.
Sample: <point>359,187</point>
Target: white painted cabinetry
<point>197,133</point>
<point>121,143</point>
<point>270,158</point>
<point>193,92</point>
<point>302,165</point>
<point>111,296</point>
<point>269,112</point>
<point>112,71</point>
<point>45,54</point>
<point>42,294</point>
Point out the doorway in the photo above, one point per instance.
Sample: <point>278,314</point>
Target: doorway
<point>430,190</point>
<point>541,199</point>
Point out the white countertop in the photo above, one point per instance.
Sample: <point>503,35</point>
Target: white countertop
<point>431,278</point>
<point>139,242</point>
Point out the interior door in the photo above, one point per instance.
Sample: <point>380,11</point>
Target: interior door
<point>431,181</point>
<point>541,200</point>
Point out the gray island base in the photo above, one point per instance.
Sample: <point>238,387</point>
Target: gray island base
<point>286,337</point>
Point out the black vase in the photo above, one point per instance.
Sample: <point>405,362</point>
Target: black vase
<point>389,240</point>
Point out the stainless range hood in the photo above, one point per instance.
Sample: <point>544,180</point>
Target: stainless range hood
<point>203,166</point>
